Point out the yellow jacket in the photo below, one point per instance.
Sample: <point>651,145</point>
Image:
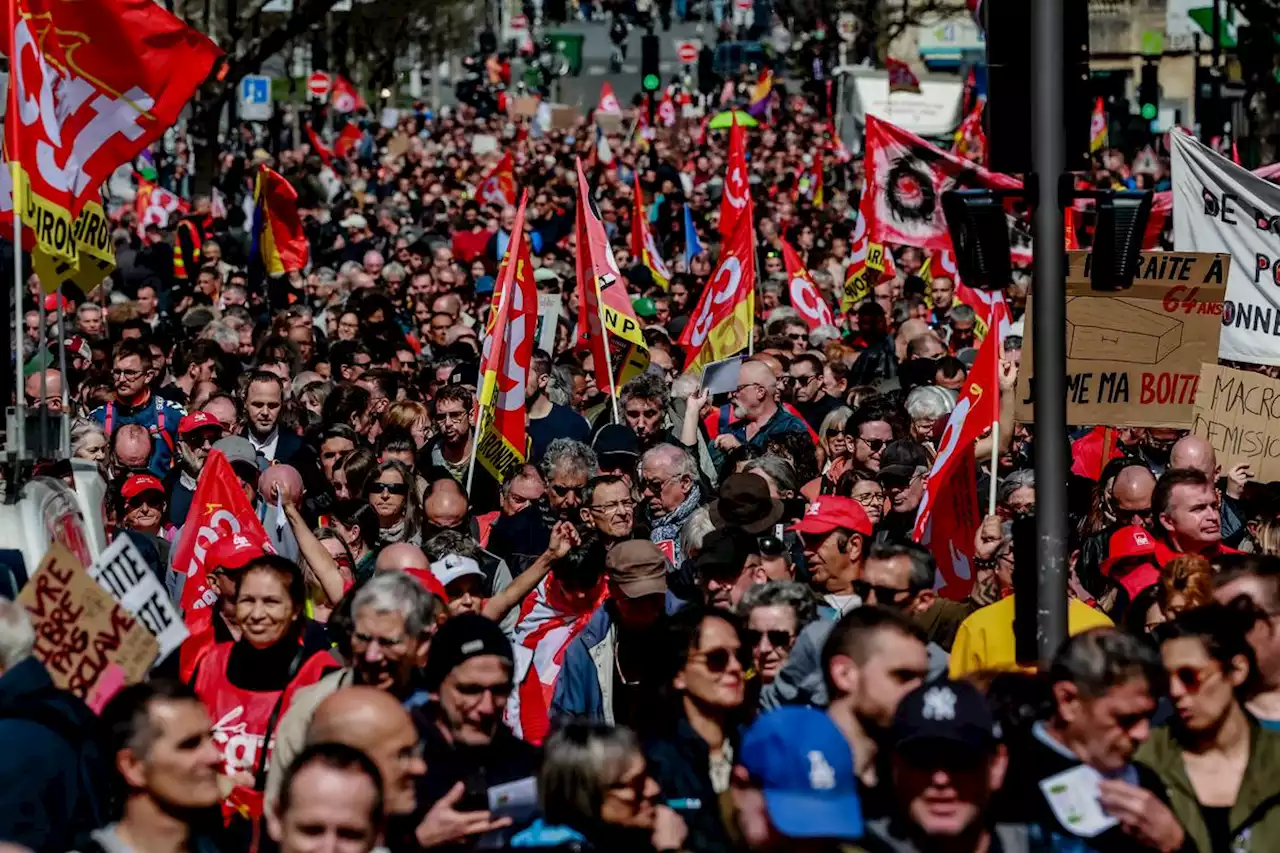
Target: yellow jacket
<point>985,639</point>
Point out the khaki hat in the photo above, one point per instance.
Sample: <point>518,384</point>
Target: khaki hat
<point>637,568</point>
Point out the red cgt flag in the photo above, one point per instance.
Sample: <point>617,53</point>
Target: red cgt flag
<point>218,508</point>
<point>317,144</point>
<point>949,514</point>
<point>737,191</point>
<point>95,84</point>
<point>805,296</point>
<point>499,186</point>
<point>345,97</point>
<point>721,325</point>
<point>155,205</point>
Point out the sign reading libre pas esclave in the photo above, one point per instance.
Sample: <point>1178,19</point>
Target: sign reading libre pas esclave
<point>1134,356</point>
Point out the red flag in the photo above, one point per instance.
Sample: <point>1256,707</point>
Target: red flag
<point>721,324</point>
<point>603,291</point>
<point>218,508</point>
<point>155,205</point>
<point>805,296</point>
<point>901,77</point>
<point>1098,127</point>
<point>971,139</point>
<point>818,189</point>
<point>667,110</point>
<point>345,97</point>
<point>94,84</point>
<point>949,514</point>
<point>324,151</point>
<point>278,233</point>
<point>499,185</point>
<point>608,101</point>
<point>1235,153</point>
<point>737,192</point>
<point>643,245</point>
<point>347,140</point>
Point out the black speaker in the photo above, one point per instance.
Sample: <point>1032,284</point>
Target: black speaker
<point>1009,95</point>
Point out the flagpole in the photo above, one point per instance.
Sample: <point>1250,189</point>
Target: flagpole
<point>608,355</point>
<point>995,462</point>
<point>475,442</point>
<point>19,443</point>
<point>65,432</point>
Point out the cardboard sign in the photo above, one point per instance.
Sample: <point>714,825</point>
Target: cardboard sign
<point>123,573</point>
<point>1134,356</point>
<point>1238,412</point>
<point>80,630</point>
<point>524,106</point>
<point>563,117</point>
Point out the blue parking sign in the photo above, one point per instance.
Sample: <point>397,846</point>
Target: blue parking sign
<point>255,97</point>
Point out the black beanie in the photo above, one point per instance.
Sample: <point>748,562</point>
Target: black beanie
<point>459,639</point>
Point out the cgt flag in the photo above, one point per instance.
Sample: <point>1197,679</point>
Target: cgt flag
<point>643,246</point>
<point>737,192</point>
<point>722,323</point>
<point>606,317</point>
<point>1098,127</point>
<point>805,296</point>
<point>499,185</point>
<point>508,352</point>
<point>277,230</point>
<point>949,514</point>
<point>345,97</point>
<point>95,83</point>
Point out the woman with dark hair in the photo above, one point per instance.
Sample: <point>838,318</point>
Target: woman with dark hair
<point>353,472</point>
<point>701,666</point>
<point>247,683</point>
<point>596,793</point>
<point>393,494</point>
<point>1217,763</point>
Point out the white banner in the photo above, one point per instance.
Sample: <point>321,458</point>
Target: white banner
<point>1220,207</point>
<point>122,572</point>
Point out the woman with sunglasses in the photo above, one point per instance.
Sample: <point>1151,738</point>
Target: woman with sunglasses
<point>391,493</point>
<point>596,794</point>
<point>775,613</point>
<point>701,665</point>
<point>1217,764</point>
<point>834,453</point>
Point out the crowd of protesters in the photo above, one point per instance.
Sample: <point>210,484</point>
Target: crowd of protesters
<point>704,627</point>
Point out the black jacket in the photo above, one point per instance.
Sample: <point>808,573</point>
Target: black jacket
<point>680,760</point>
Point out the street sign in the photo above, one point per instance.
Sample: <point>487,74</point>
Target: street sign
<point>687,51</point>
<point>255,97</point>
<point>847,26</point>
<point>1152,42</point>
<point>318,85</point>
<point>519,24</point>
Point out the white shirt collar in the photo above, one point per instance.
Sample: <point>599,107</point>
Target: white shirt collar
<point>266,447</point>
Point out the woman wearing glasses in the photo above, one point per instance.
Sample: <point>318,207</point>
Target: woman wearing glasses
<point>775,613</point>
<point>702,666</point>
<point>1216,762</point>
<point>834,451</point>
<point>391,494</point>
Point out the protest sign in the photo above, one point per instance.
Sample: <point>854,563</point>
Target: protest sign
<point>122,571</point>
<point>550,308</point>
<point>80,630</point>
<point>1238,412</point>
<point>1220,207</point>
<point>1134,356</point>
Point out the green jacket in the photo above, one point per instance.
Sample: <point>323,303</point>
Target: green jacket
<point>1255,817</point>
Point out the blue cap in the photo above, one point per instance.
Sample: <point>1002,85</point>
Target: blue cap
<point>805,767</point>
<point>484,284</point>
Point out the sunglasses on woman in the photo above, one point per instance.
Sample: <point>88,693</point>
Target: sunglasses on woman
<point>400,489</point>
<point>717,660</point>
<point>778,639</point>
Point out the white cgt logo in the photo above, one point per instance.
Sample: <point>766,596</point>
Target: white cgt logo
<point>726,282</point>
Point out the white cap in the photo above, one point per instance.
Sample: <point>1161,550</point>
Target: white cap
<point>450,567</point>
<point>355,220</point>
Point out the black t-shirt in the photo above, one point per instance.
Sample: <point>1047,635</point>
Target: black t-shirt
<point>814,411</point>
<point>560,422</point>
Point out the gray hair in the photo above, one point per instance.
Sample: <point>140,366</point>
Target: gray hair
<point>326,274</point>
<point>695,530</point>
<point>527,471</point>
<point>777,469</point>
<point>681,462</point>
<point>451,542</point>
<point>685,386</point>
<point>929,401</point>
<point>823,335</point>
<point>397,592</point>
<point>797,596</point>
<point>348,269</point>
<point>646,386</point>
<point>963,312</point>
<point>924,569</point>
<point>782,316</point>
<point>581,760</point>
<point>1022,478</point>
<point>395,268</point>
<point>1098,660</point>
<point>223,335</point>
<point>17,635</point>
<point>838,415</point>
<point>574,455</point>
<point>86,307</point>
<point>560,385</point>
<point>81,429</point>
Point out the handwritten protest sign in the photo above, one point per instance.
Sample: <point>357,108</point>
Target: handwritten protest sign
<point>80,630</point>
<point>122,572</point>
<point>1238,412</point>
<point>1134,356</point>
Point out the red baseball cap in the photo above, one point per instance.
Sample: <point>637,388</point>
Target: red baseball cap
<point>198,420</point>
<point>234,552</point>
<point>1126,543</point>
<point>139,483</point>
<point>51,302</point>
<point>429,582</point>
<point>829,512</point>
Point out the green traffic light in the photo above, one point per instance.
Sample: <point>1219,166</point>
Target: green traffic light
<point>1148,111</point>
<point>650,82</point>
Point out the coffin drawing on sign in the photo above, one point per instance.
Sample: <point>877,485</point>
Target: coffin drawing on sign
<point>1102,329</point>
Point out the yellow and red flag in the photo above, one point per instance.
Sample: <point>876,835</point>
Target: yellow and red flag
<point>499,186</point>
<point>721,324</point>
<point>508,351</point>
<point>818,189</point>
<point>605,316</point>
<point>643,246</point>
<point>277,229</point>
<point>1098,127</point>
<point>93,84</point>
<point>737,192</point>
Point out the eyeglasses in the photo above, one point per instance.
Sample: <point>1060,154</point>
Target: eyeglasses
<point>870,498</point>
<point>797,336</point>
<point>380,488</point>
<point>615,507</point>
<point>1192,679</point>
<point>151,499</point>
<point>565,491</point>
<point>476,691</point>
<point>655,487</point>
<point>884,594</point>
<point>777,639</point>
<point>717,660</point>
<point>127,374</point>
<point>742,388</point>
<point>802,380</point>
<point>384,643</point>
<point>633,787</point>
<point>876,444</point>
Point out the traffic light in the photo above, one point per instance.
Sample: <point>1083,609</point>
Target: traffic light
<point>650,80</point>
<point>1149,91</point>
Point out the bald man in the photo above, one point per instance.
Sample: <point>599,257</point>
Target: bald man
<point>446,505</point>
<point>400,556</point>
<point>375,723</point>
<point>755,402</point>
<point>1128,502</point>
<point>1192,451</point>
<point>131,447</point>
<point>908,332</point>
<point>44,389</point>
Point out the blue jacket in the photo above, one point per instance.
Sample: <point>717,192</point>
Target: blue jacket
<point>53,779</point>
<point>578,689</point>
<point>157,409</point>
